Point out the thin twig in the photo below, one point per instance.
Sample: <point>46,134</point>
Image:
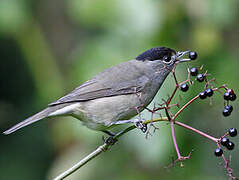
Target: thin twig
<point>81,163</point>
<point>197,131</point>
<point>187,104</point>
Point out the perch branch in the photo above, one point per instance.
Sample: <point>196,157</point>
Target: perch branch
<point>106,146</point>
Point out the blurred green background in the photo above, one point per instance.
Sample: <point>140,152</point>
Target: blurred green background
<point>50,47</point>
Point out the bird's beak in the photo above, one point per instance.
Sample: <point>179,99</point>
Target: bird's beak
<point>179,55</point>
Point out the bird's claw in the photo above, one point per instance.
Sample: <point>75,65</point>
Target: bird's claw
<point>143,127</point>
<point>110,140</point>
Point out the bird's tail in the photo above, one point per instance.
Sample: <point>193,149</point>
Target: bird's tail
<point>42,114</point>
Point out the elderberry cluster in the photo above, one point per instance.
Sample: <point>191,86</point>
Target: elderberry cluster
<point>207,93</point>
<point>229,95</point>
<point>200,78</point>
<point>226,142</point>
<point>194,71</point>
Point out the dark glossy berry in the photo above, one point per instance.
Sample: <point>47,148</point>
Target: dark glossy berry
<point>230,145</point>
<point>194,71</point>
<point>226,96</point>
<point>209,92</point>
<point>229,107</point>
<point>232,97</point>
<point>202,95</point>
<point>184,87</point>
<point>224,141</point>
<point>200,77</point>
<point>218,152</point>
<point>226,112</point>
<point>232,132</point>
<point>230,91</point>
<point>192,55</point>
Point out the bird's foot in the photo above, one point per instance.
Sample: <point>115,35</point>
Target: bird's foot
<point>143,127</point>
<point>111,140</point>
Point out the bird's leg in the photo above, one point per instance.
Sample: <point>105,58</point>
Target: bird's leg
<point>108,133</point>
<point>138,123</point>
<point>111,140</point>
<point>125,122</point>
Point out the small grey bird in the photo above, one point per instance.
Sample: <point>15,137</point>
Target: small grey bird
<point>115,95</point>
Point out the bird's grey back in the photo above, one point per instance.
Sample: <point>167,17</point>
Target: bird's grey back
<point>125,78</point>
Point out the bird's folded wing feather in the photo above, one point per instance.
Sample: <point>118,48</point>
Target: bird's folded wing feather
<point>107,84</point>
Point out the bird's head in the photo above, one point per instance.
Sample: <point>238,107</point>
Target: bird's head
<point>163,58</point>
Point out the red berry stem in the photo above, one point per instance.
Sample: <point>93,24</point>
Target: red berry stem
<point>187,104</point>
<point>216,140</point>
<point>174,140</point>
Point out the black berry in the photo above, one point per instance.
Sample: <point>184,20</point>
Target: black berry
<point>226,112</point>
<point>232,97</point>
<point>226,96</point>
<point>224,141</point>
<point>230,145</point>
<point>218,152</point>
<point>229,108</point>
<point>192,55</point>
<point>202,95</point>
<point>194,71</point>
<point>232,132</point>
<point>209,92</point>
<point>200,77</point>
<point>184,87</point>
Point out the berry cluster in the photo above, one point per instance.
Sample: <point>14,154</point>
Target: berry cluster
<point>196,75</point>
<point>199,77</point>
<point>207,93</point>
<point>226,142</point>
<point>229,95</point>
<point>194,71</point>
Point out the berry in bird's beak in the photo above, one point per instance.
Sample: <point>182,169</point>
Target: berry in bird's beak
<point>191,54</point>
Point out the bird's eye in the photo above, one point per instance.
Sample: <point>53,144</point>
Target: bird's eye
<point>167,59</point>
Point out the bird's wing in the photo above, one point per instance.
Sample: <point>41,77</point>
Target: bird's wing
<point>107,83</point>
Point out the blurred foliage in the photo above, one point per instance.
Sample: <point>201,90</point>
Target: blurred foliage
<point>50,47</point>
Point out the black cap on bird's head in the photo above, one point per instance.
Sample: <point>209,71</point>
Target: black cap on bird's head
<point>156,54</point>
<point>165,54</point>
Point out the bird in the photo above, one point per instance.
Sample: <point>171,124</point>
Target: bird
<point>116,94</point>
